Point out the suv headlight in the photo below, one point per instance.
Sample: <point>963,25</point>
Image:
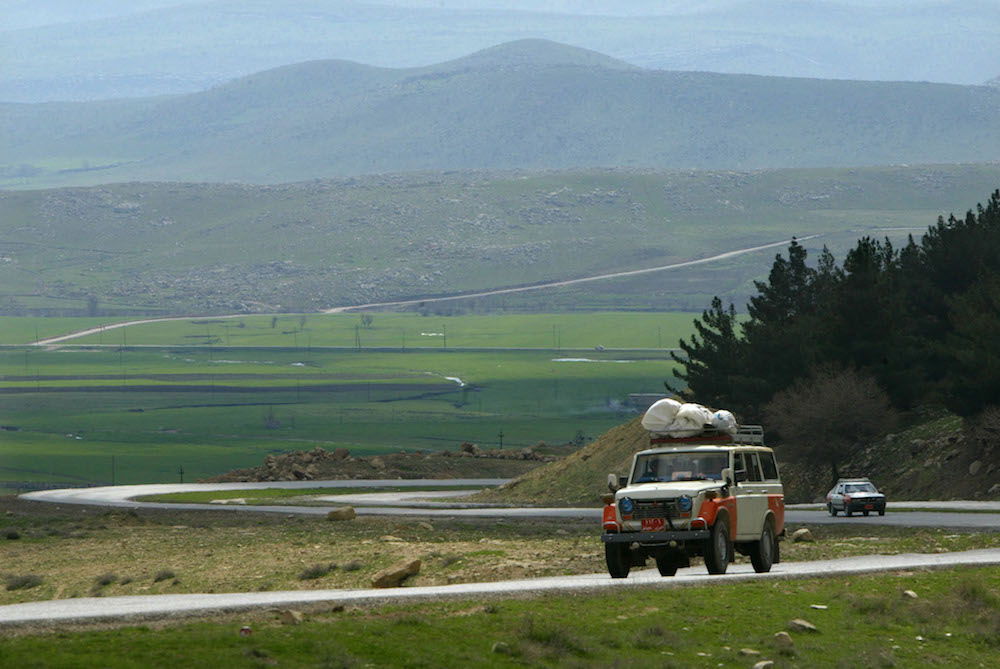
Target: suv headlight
<point>684,503</point>
<point>626,505</point>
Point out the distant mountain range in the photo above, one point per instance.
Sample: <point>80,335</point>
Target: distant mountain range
<point>529,104</point>
<point>103,49</point>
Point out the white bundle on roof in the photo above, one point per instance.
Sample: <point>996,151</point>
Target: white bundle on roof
<point>670,417</point>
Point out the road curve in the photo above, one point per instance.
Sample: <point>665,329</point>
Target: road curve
<point>435,503</point>
<point>136,608</point>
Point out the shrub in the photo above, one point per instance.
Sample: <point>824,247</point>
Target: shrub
<point>11,533</point>
<point>23,582</point>
<point>163,575</point>
<point>353,565</point>
<point>316,571</point>
<point>105,579</point>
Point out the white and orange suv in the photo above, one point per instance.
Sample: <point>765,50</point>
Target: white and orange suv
<point>696,496</point>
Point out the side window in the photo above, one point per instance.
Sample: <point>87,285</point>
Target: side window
<point>769,467</point>
<point>740,468</point>
<point>753,467</point>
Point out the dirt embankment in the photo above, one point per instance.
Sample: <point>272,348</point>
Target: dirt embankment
<point>469,461</point>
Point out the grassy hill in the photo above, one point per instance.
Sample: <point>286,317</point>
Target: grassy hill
<point>528,104</point>
<point>169,248</point>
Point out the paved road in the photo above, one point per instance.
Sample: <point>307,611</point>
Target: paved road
<point>435,503</point>
<point>133,609</point>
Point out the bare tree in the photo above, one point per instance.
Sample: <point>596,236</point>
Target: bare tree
<point>827,418</point>
<point>366,320</point>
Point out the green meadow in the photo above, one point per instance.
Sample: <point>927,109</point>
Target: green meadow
<point>186,399</point>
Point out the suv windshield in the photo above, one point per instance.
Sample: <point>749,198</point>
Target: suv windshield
<point>683,466</point>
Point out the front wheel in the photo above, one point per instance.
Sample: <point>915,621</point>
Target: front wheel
<point>666,566</point>
<point>718,548</point>
<point>833,511</point>
<point>762,552</point>
<point>618,559</point>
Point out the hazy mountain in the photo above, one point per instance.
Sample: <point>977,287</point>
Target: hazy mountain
<point>529,104</point>
<point>66,50</point>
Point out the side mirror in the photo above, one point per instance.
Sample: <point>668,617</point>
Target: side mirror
<point>727,476</point>
<point>622,481</point>
<point>612,482</point>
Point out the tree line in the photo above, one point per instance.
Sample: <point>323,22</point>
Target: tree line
<point>888,330</point>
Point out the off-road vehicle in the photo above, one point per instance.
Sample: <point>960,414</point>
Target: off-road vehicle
<point>696,496</point>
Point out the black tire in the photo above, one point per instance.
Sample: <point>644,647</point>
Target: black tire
<point>718,547</point>
<point>848,512</point>
<point>865,512</point>
<point>762,552</point>
<point>666,566</point>
<point>777,551</point>
<point>881,512</point>
<point>833,511</point>
<point>618,559</point>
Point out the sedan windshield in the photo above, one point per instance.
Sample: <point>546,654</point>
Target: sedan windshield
<point>683,466</point>
<point>860,487</point>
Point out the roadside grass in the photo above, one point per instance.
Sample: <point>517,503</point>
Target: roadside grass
<point>71,547</point>
<point>954,621</point>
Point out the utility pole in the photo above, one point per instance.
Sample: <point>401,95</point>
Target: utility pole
<point>501,439</point>
<point>180,471</point>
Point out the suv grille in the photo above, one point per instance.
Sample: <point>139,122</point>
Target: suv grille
<point>661,508</point>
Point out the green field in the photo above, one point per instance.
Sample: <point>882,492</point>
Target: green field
<point>177,401</point>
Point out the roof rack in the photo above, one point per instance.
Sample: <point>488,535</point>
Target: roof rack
<point>750,434</point>
<point>746,434</point>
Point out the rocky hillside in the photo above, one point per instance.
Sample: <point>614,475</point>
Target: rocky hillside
<point>934,459</point>
<point>318,464</point>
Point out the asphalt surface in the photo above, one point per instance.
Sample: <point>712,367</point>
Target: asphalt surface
<point>965,515</point>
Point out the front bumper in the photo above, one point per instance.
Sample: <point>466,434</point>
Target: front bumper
<point>646,538</point>
<point>864,505</point>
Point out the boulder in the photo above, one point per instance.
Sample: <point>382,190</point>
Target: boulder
<point>800,625</point>
<point>343,513</point>
<point>393,577</point>
<point>764,664</point>
<point>802,534</point>
<point>291,617</point>
<point>783,641</point>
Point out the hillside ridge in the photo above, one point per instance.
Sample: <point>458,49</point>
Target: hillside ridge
<point>530,104</point>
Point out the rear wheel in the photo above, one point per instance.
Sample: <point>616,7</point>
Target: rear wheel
<point>848,512</point>
<point>718,548</point>
<point>762,552</point>
<point>881,512</point>
<point>618,559</point>
<point>865,512</point>
<point>666,566</point>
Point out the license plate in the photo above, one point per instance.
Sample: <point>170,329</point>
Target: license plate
<point>869,506</point>
<point>653,524</point>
